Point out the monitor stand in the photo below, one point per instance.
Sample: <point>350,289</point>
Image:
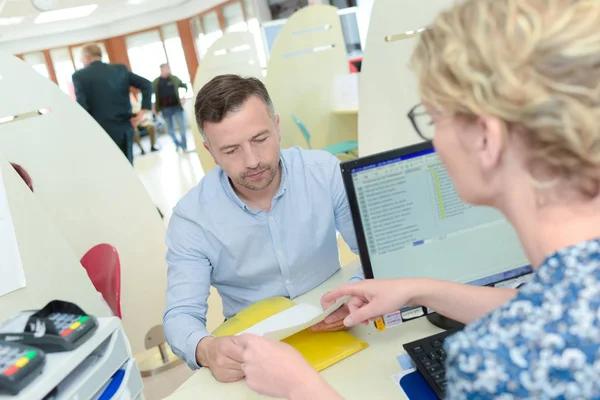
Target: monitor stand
<point>444,322</point>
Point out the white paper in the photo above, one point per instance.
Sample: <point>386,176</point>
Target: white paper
<point>12,276</point>
<point>293,320</point>
<point>345,92</point>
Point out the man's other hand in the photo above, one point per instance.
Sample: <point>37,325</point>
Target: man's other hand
<point>138,118</point>
<point>223,356</point>
<point>334,321</point>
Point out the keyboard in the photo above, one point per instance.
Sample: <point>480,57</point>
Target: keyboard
<point>429,357</point>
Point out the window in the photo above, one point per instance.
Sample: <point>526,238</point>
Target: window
<point>64,69</point>
<point>206,30</point>
<point>233,14</point>
<point>254,29</point>
<point>76,52</point>
<point>146,53</point>
<point>176,56</point>
<point>37,62</point>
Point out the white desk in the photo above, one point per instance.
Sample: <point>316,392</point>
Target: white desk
<point>346,111</point>
<point>364,375</point>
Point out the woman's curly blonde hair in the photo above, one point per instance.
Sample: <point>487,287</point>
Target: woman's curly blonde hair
<point>535,64</point>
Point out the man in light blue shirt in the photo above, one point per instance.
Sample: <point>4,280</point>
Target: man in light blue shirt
<point>261,224</point>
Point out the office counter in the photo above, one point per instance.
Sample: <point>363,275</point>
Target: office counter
<point>364,375</point>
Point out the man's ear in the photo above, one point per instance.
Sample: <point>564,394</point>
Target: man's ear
<point>207,147</point>
<point>277,128</point>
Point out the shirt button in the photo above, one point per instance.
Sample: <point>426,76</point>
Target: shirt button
<point>271,218</point>
<point>288,282</point>
<point>280,252</point>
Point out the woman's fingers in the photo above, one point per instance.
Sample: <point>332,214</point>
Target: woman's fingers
<point>350,289</point>
<point>361,313</point>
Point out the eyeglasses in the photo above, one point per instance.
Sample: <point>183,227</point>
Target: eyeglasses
<point>422,122</point>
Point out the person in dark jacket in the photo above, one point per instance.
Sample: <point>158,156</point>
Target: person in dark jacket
<point>103,91</point>
<point>166,89</point>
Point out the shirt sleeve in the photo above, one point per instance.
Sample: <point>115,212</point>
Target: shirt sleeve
<point>188,288</point>
<point>342,214</point>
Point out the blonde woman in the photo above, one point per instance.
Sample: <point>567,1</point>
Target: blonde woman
<point>513,88</point>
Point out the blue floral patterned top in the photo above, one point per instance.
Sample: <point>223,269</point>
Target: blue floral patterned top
<point>544,343</point>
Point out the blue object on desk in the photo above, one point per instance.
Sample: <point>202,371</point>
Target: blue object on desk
<point>113,386</point>
<point>416,387</point>
<point>405,362</point>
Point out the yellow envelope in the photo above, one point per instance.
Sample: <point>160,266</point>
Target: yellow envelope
<point>320,349</point>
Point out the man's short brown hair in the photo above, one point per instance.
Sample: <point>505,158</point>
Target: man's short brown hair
<point>225,94</point>
<point>92,50</point>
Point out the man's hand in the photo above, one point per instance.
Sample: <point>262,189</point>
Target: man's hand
<point>223,356</point>
<point>276,369</point>
<point>334,321</point>
<point>139,117</point>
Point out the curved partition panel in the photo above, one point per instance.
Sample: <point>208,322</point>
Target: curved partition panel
<point>87,186</point>
<point>307,56</point>
<point>233,53</point>
<point>388,89</point>
<point>52,271</point>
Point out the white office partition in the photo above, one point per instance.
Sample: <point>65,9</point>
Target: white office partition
<point>388,88</point>
<point>52,271</point>
<point>87,186</point>
<point>233,53</point>
<point>308,53</point>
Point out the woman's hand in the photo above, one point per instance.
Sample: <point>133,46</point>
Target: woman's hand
<point>276,369</point>
<point>372,299</point>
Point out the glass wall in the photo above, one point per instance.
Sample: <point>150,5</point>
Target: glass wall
<point>37,62</point>
<point>233,14</point>
<point>176,56</point>
<point>146,53</point>
<point>64,69</point>
<point>207,30</point>
<point>254,29</point>
<point>238,16</point>
<point>147,49</point>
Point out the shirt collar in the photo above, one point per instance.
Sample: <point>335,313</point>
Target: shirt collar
<point>226,183</point>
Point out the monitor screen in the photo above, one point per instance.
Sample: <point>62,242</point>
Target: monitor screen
<point>410,222</point>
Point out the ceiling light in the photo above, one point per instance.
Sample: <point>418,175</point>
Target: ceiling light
<point>44,5</point>
<point>65,14</point>
<point>11,21</point>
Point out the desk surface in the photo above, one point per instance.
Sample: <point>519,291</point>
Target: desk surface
<point>364,375</point>
<point>346,111</point>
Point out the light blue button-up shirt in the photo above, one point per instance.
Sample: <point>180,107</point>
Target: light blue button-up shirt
<point>215,239</point>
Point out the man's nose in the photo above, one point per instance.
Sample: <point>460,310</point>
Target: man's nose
<point>251,159</point>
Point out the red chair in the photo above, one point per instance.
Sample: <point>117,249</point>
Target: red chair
<point>23,174</point>
<point>104,269</point>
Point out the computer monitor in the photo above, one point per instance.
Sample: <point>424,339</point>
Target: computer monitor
<point>410,222</point>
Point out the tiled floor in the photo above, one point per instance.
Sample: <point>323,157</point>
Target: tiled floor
<point>168,175</point>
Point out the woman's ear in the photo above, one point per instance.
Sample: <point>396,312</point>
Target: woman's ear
<point>491,141</point>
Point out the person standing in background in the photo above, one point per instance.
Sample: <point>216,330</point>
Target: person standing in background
<point>166,88</point>
<point>103,91</point>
